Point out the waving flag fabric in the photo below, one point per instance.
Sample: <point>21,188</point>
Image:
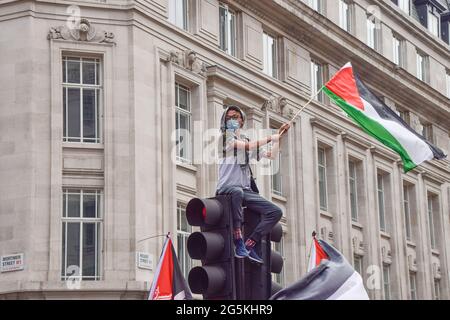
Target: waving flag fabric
<point>378,120</point>
<point>317,255</point>
<point>169,283</point>
<point>333,279</point>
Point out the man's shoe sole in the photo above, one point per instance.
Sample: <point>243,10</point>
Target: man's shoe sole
<point>253,260</point>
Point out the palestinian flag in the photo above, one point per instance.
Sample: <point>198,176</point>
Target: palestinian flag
<point>333,279</point>
<point>316,255</point>
<point>168,282</point>
<point>378,120</point>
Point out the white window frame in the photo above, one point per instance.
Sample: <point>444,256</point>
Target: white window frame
<point>322,167</point>
<point>186,263</point>
<point>407,211</point>
<point>431,198</point>
<point>345,15</point>
<point>98,97</point>
<point>398,47</point>
<point>188,113</point>
<point>447,77</point>
<point>276,180</point>
<point>178,13</point>
<point>317,69</point>
<point>315,5</point>
<point>269,55</point>
<point>353,189</point>
<point>381,201</point>
<point>434,23</point>
<point>422,66</point>
<point>97,220</point>
<point>358,264</point>
<point>405,6</point>
<point>372,33</point>
<point>230,37</point>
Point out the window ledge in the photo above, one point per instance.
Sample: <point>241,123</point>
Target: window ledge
<point>409,243</point>
<point>357,225</point>
<point>187,166</point>
<point>385,235</point>
<point>81,145</point>
<point>326,214</point>
<point>435,252</point>
<point>279,197</point>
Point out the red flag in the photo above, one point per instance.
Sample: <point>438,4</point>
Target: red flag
<point>169,283</point>
<point>317,254</point>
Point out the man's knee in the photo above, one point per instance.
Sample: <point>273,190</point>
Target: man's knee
<point>277,214</point>
<point>237,192</point>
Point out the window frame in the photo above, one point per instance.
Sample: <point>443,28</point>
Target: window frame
<point>97,87</point>
<point>345,21</point>
<point>353,181</point>
<point>81,220</point>
<point>406,197</point>
<point>187,113</point>
<point>316,69</point>
<point>230,44</point>
<point>267,36</point>
<point>186,262</point>
<point>381,212</point>
<point>174,12</point>
<point>325,183</point>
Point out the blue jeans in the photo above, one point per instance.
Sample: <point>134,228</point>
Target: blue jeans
<point>270,213</point>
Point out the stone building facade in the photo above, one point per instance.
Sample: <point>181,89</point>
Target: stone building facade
<point>93,171</point>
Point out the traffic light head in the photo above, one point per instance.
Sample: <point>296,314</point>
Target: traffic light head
<point>201,212</point>
<point>213,245</point>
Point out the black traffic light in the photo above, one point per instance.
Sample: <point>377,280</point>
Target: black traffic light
<point>258,278</point>
<point>213,246</point>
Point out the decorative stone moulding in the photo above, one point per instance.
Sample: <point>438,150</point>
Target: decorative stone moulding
<point>188,59</point>
<point>81,31</point>
<point>278,105</point>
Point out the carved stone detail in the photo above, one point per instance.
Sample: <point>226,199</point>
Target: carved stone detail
<point>188,60</point>
<point>275,104</point>
<point>81,31</point>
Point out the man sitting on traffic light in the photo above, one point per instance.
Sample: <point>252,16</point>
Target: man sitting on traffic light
<point>236,179</point>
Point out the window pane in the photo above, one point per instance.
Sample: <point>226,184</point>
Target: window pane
<point>64,112</point>
<point>63,258</point>
<point>223,28</point>
<point>89,205</point>
<point>89,73</point>
<point>73,205</point>
<point>183,99</point>
<point>64,67</point>
<point>73,113</point>
<point>231,34</point>
<point>73,71</point>
<point>89,114</point>
<point>89,249</point>
<point>73,244</point>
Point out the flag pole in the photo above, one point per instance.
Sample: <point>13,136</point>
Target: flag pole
<point>302,108</point>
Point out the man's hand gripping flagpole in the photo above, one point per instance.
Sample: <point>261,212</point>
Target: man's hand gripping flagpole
<point>286,126</point>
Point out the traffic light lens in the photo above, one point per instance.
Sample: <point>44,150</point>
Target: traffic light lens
<point>206,280</point>
<point>200,212</point>
<point>205,245</point>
